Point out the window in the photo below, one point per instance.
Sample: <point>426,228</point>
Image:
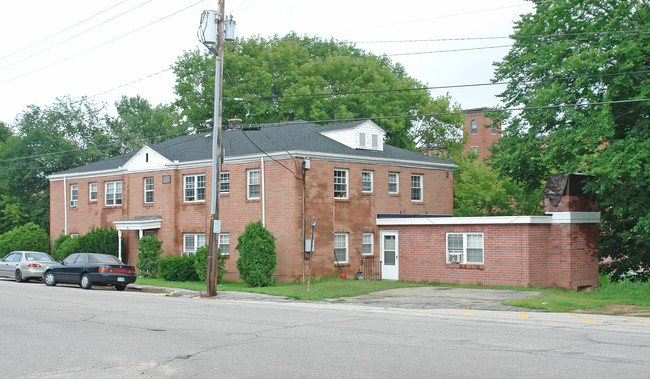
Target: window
<point>92,191</point>
<point>474,149</point>
<point>340,184</point>
<point>416,187</point>
<point>113,191</point>
<point>375,141</point>
<point>224,182</point>
<point>224,243</point>
<point>367,243</point>
<point>465,248</point>
<point>194,187</point>
<point>362,139</point>
<point>74,195</point>
<point>148,190</point>
<point>393,182</point>
<point>494,129</point>
<point>192,242</point>
<point>253,184</point>
<point>340,248</point>
<point>474,127</point>
<point>366,181</point>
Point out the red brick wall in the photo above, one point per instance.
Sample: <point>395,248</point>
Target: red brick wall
<point>484,138</point>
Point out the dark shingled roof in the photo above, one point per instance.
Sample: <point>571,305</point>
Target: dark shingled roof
<point>271,138</point>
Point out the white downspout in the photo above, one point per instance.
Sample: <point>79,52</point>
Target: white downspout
<point>263,194</point>
<point>65,206</point>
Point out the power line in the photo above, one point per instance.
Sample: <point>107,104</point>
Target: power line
<point>102,44</point>
<point>62,31</point>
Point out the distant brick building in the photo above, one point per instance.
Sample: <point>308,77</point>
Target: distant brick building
<point>284,174</point>
<point>482,132</point>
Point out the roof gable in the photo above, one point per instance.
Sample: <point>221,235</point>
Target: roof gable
<point>363,134</point>
<point>145,160</point>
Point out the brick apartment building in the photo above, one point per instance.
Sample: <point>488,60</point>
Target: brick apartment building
<point>481,131</point>
<point>283,174</point>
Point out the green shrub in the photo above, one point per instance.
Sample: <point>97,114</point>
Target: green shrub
<point>69,246</point>
<point>26,237</point>
<point>201,264</point>
<point>149,256</point>
<point>257,257</point>
<point>57,242</point>
<point>177,269</point>
<point>100,240</point>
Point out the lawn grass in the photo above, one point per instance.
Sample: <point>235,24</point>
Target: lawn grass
<point>610,297</point>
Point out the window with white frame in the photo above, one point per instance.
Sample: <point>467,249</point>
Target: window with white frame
<point>340,248</point>
<point>92,191</point>
<point>493,129</point>
<point>148,190</point>
<point>224,243</point>
<point>393,182</point>
<point>416,187</point>
<point>340,183</point>
<point>113,193</point>
<point>192,242</point>
<point>253,189</point>
<point>74,195</point>
<point>194,187</point>
<point>366,181</point>
<point>375,141</point>
<point>362,139</point>
<point>474,149</point>
<point>224,182</point>
<point>465,248</point>
<point>367,240</point>
<point>474,127</point>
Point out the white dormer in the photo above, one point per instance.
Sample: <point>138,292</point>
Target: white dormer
<point>146,159</point>
<point>360,135</point>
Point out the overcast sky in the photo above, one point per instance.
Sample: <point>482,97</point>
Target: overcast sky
<point>106,49</point>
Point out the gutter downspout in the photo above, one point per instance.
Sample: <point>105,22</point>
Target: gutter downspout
<point>65,206</point>
<point>263,195</point>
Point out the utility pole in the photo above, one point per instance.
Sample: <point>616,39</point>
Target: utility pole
<point>211,31</point>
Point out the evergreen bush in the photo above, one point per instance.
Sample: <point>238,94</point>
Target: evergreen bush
<point>149,256</point>
<point>68,247</point>
<point>26,237</point>
<point>177,269</point>
<point>100,240</point>
<point>201,264</point>
<point>257,257</point>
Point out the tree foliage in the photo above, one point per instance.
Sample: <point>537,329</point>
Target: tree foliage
<point>579,67</point>
<point>257,257</point>
<point>26,237</point>
<point>291,77</point>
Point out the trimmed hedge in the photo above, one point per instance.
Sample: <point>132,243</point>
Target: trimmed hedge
<point>27,237</point>
<point>149,256</point>
<point>201,264</point>
<point>257,257</point>
<point>177,269</point>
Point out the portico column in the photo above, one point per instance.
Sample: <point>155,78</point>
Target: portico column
<point>119,244</point>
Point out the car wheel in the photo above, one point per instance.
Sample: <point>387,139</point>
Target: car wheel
<point>120,287</point>
<point>18,276</point>
<point>85,282</point>
<point>49,279</point>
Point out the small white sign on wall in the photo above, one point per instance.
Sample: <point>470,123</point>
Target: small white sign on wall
<point>216,229</point>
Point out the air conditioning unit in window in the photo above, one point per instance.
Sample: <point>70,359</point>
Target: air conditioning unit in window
<point>455,258</point>
<point>73,203</point>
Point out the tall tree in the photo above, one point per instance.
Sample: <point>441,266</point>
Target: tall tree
<point>138,123</point>
<point>292,77</point>
<point>580,70</point>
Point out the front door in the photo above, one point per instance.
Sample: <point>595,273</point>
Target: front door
<point>389,255</point>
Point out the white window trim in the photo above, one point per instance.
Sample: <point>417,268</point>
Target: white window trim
<point>221,181</point>
<point>371,181</point>
<point>396,182</point>
<point>362,140</point>
<point>194,189</point>
<point>91,192</point>
<point>74,195</point>
<point>421,188</point>
<point>346,248</point>
<point>195,237</point>
<point>147,191</point>
<point>114,193</point>
<point>462,256</point>
<point>372,243</point>
<point>346,183</point>
<point>249,184</point>
<point>222,238</point>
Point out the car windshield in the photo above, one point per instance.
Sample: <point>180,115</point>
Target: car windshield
<point>102,258</point>
<point>40,257</point>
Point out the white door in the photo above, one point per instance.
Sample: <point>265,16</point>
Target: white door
<point>389,255</point>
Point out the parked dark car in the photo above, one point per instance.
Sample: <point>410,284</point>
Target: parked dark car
<point>25,265</point>
<point>87,269</point>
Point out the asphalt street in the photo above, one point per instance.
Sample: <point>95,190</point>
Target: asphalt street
<point>68,332</point>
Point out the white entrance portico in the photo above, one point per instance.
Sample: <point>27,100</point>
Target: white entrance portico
<point>140,224</point>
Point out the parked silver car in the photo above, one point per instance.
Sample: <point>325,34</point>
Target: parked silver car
<point>25,265</point>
